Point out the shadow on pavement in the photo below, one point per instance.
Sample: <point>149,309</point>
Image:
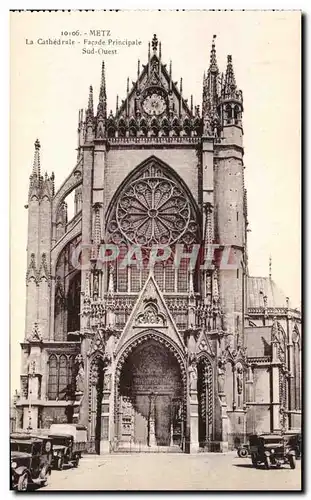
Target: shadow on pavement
<point>260,467</point>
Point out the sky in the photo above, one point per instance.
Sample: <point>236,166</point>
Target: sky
<point>49,84</point>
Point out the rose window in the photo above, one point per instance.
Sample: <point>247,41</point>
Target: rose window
<point>153,210</point>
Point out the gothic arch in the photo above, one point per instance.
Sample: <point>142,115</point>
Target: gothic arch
<point>140,338</point>
<point>65,293</point>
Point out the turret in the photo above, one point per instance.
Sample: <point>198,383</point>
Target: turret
<point>230,205</point>
<point>231,105</point>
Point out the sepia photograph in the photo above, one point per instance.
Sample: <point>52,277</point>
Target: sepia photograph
<point>155,239</point>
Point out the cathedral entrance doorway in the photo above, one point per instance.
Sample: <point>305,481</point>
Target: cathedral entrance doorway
<point>150,399</point>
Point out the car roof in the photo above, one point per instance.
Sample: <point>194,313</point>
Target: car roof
<point>271,436</point>
<point>26,441</point>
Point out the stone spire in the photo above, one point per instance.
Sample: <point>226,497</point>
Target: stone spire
<point>35,179</point>
<point>89,118</point>
<point>36,161</point>
<point>102,106</point>
<point>102,102</point>
<point>213,68</point>
<point>229,88</point>
<point>270,267</point>
<point>90,107</point>
<point>210,97</point>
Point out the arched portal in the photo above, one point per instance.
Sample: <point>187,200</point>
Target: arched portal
<point>150,396</point>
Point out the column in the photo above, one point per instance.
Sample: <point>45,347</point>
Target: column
<point>275,381</point>
<point>193,406</point>
<point>105,412</point>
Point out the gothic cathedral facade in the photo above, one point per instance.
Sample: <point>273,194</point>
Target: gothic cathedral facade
<point>142,322</point>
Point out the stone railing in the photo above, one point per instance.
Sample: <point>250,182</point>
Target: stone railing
<point>273,311</point>
<point>154,140</point>
<point>259,360</point>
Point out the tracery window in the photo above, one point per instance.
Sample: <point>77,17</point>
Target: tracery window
<point>152,208</point>
<point>61,377</point>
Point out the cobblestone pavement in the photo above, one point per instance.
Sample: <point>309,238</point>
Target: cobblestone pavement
<point>172,472</point>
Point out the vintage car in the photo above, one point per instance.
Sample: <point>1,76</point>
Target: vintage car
<point>31,461</point>
<point>69,442</point>
<point>271,449</point>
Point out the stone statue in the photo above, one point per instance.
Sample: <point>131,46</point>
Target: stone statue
<point>221,378</point>
<point>239,380</point>
<point>96,285</point>
<point>80,374</point>
<point>193,376</point>
<point>107,382</point>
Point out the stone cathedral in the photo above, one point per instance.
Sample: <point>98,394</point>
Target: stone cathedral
<point>142,321</point>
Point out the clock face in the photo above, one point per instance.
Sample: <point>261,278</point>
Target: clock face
<point>154,104</point>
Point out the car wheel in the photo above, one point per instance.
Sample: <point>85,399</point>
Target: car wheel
<point>22,484</point>
<point>292,462</point>
<point>242,453</point>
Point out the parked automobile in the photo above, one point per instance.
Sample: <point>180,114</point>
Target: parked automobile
<point>69,442</point>
<point>31,461</point>
<point>271,449</point>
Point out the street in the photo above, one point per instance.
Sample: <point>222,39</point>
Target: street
<point>163,471</point>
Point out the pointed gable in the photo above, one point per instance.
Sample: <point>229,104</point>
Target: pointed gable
<point>154,79</point>
<point>150,311</point>
<point>204,345</point>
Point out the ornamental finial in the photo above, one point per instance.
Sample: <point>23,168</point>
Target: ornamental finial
<point>154,43</point>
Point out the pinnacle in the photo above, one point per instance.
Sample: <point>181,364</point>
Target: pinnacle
<point>213,60</point>
<point>230,84</point>
<point>36,160</point>
<point>90,104</point>
<point>102,92</point>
